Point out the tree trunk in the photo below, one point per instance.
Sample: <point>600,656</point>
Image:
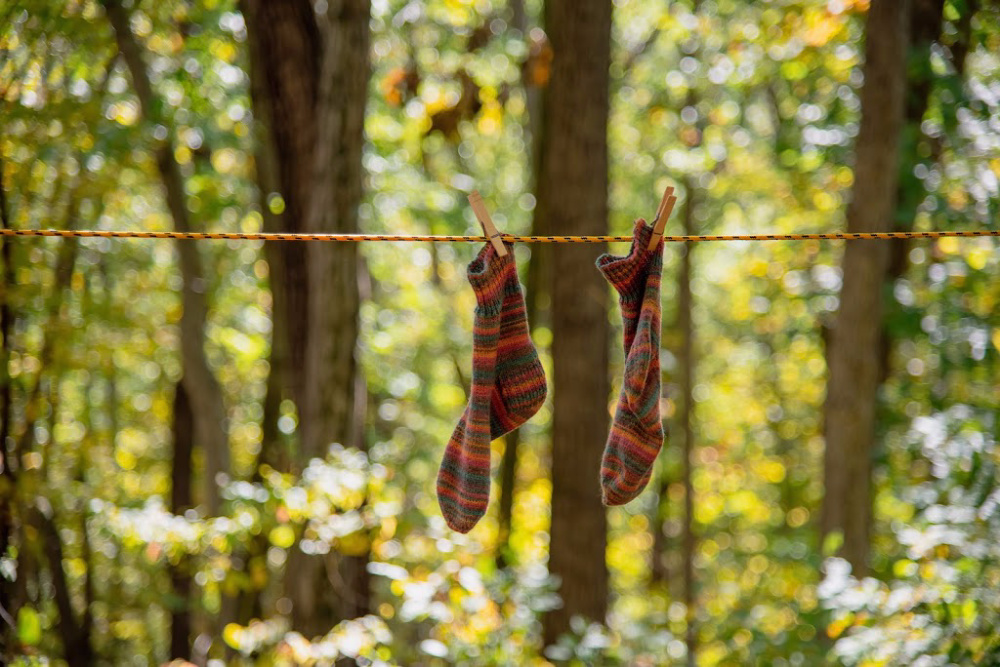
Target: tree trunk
<point>535,284</point>
<point>286,48</point>
<point>180,501</point>
<point>62,274</point>
<point>201,385</point>
<point>268,176</point>
<point>328,401</point>
<point>659,567</point>
<point>8,526</point>
<point>328,409</point>
<point>574,182</point>
<point>926,21</point>
<point>274,446</point>
<point>512,441</point>
<point>853,353</point>
<point>685,414</point>
<point>685,417</point>
<point>77,649</point>
<point>313,76</point>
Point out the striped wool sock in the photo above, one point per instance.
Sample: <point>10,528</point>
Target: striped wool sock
<point>520,388</point>
<point>508,387</point>
<point>636,432</point>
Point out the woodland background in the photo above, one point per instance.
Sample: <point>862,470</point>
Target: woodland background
<point>226,451</point>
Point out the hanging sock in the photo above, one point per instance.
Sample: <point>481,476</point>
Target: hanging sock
<point>519,390</point>
<point>636,432</point>
<point>508,387</point>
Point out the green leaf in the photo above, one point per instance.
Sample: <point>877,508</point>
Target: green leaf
<point>29,626</point>
<point>832,543</point>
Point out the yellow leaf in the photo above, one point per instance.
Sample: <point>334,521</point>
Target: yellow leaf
<point>182,154</point>
<point>231,635</point>
<point>948,245</point>
<point>282,536</point>
<point>977,258</point>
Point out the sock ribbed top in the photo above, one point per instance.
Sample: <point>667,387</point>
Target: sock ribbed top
<point>489,274</point>
<point>628,274</point>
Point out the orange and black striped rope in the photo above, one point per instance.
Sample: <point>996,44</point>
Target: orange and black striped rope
<point>265,236</point>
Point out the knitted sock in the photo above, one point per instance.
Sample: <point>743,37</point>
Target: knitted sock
<point>520,388</point>
<point>508,387</point>
<point>636,432</point>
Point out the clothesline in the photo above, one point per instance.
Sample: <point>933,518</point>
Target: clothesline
<point>510,238</point>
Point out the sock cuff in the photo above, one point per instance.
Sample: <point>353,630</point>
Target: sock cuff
<point>628,274</point>
<point>488,274</point>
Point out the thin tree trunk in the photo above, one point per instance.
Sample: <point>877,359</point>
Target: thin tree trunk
<point>659,575</point>
<point>925,28</point>
<point>181,499</point>
<point>87,556</point>
<point>84,458</point>
<point>685,354</point>
<point>685,327</point>
<point>63,274</point>
<point>73,632</point>
<point>853,354</point>
<point>8,481</point>
<point>77,650</point>
<point>534,284</point>
<point>688,364</point>
<point>6,315</point>
<point>512,441</point>
<point>201,385</point>
<point>574,188</point>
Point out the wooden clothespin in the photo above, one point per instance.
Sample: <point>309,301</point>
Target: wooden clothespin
<point>662,215</point>
<point>479,208</point>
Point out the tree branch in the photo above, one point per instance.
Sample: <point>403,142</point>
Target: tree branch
<point>199,380</point>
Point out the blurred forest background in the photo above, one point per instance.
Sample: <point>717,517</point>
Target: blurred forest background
<point>225,451</point>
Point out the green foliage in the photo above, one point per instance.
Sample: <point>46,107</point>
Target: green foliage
<point>942,604</point>
<point>29,626</point>
<point>750,108</point>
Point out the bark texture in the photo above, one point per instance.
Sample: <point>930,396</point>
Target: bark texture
<point>313,77</point>
<point>328,404</point>
<point>685,326</point>
<point>574,188</point>
<point>181,499</point>
<point>310,88</point>
<point>285,48</point>
<point>273,451</point>
<point>853,353</point>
